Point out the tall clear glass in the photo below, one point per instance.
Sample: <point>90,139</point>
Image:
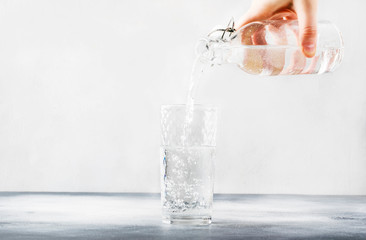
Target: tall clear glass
<point>187,167</point>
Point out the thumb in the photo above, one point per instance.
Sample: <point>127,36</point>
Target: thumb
<point>306,11</point>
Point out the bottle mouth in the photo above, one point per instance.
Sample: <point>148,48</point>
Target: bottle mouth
<point>205,46</point>
<point>202,46</point>
<point>208,49</point>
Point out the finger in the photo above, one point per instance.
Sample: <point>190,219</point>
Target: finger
<point>252,17</point>
<point>284,14</point>
<point>261,10</point>
<point>306,11</point>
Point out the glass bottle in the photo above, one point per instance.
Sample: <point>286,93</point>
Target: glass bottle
<point>272,47</point>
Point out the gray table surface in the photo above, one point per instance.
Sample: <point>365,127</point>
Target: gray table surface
<point>137,216</point>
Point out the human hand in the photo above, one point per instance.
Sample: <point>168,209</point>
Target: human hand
<point>304,10</point>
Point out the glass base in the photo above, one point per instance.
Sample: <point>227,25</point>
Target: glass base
<point>187,220</point>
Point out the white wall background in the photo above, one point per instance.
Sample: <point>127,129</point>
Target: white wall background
<point>81,84</point>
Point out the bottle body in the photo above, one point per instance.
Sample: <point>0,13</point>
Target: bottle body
<point>272,48</point>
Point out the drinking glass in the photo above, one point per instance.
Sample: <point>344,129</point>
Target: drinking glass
<point>187,168</point>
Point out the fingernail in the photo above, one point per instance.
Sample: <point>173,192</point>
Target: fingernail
<point>309,49</point>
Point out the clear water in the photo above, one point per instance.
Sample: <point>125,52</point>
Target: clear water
<point>198,69</point>
<point>277,60</point>
<point>187,182</point>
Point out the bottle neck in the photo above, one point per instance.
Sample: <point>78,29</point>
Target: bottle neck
<point>214,52</point>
